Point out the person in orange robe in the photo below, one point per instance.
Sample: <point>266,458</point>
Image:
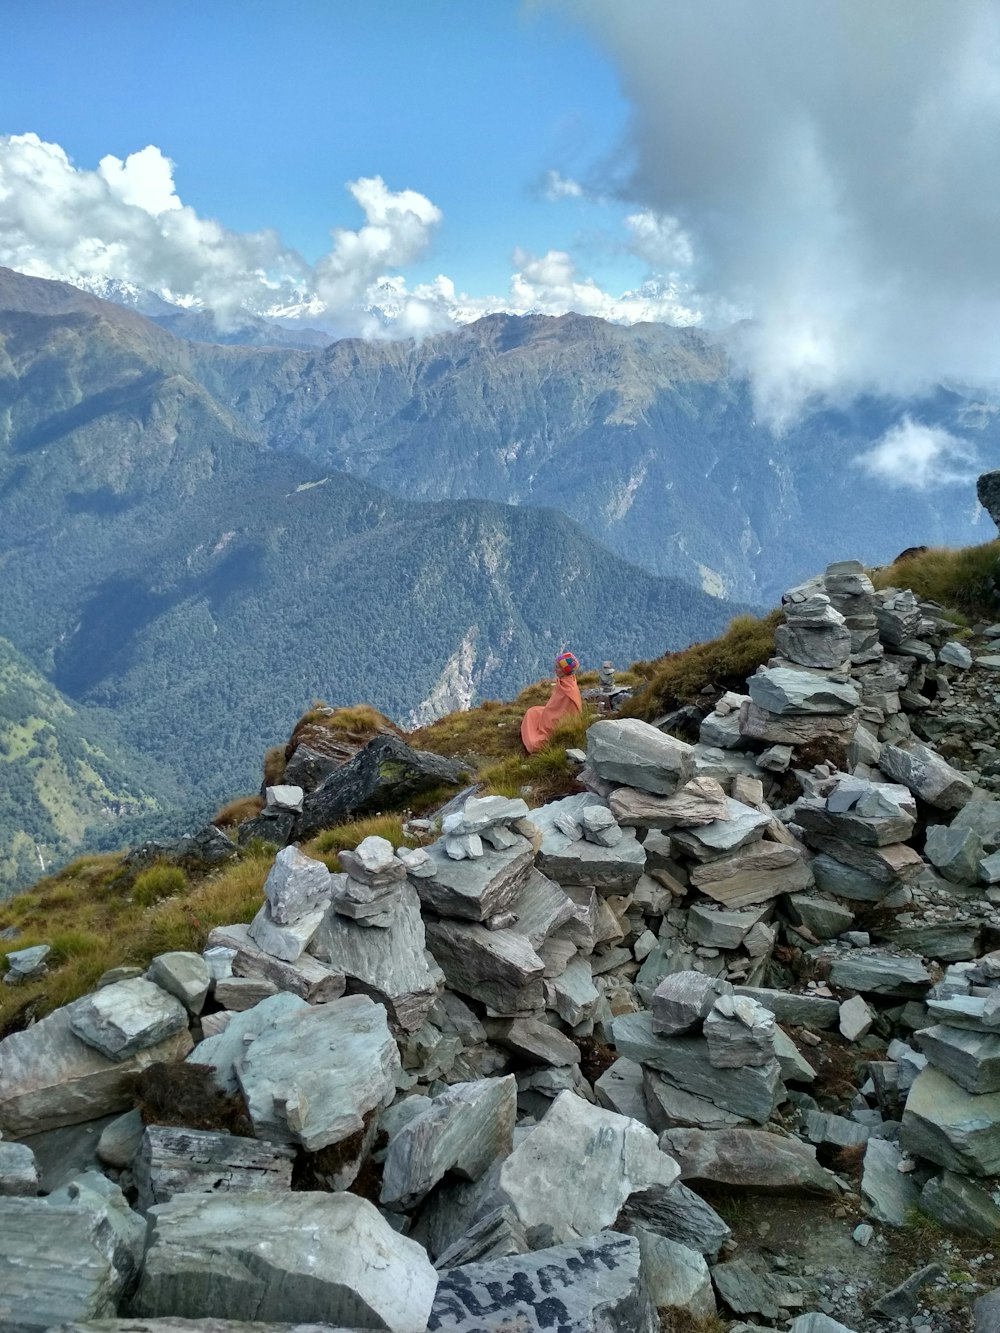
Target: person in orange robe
<point>539,722</point>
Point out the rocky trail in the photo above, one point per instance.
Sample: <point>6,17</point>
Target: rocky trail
<point>713,1043</point>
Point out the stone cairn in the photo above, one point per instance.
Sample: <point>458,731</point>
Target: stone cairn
<point>527,1045</point>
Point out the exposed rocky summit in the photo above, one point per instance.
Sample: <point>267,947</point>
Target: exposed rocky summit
<point>502,1080</point>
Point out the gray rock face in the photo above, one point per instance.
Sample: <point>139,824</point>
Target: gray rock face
<point>959,1205</point>
<point>856,1019</point>
<point>822,917</point>
<point>750,1159</point>
<point>314,1257</point>
<point>225,1050</point>
<point>498,967</point>
<point>464,1130</point>
<point>700,801</point>
<point>927,775</point>
<point>474,889</point>
<point>753,874</point>
<point>390,965</point>
<point>756,723</point>
<point>605,1156</point>
<point>739,1032</point>
<point>594,1286</point>
<point>879,831</point>
<point>682,1002</point>
<point>119,1141</point>
<point>678,1278</point>
<point>127,1017</point>
<point>313,1076</point>
<point>296,885</point>
<point>781,691</point>
<point>903,976</point>
<point>971,1058</point>
<point>63,1260</point>
<point>952,1127</point>
<point>635,754</point>
<point>891,1194</point>
<point>18,1170</point>
<point>184,975</point>
<point>192,1161</point>
<point>306,977</point>
<point>833,876</point>
<point>289,940</point>
<point>988,491</point>
<point>718,929</point>
<point>25,964</point>
<point>751,1092</point>
<point>671,1107</point>
<point>49,1078</point>
<point>738,826</point>
<point>807,1011</point>
<point>956,852</point>
<point>680,1214</point>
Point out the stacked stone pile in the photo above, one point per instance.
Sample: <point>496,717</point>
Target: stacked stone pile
<point>532,1041</point>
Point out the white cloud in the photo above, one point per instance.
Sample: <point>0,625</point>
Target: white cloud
<point>915,456</point>
<point>836,168</point>
<point>558,186</point>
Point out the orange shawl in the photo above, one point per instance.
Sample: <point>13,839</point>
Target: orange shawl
<point>539,722</point>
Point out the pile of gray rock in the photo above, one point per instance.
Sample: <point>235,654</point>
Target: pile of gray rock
<point>491,1080</point>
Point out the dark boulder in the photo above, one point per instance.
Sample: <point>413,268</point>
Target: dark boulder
<point>988,490</point>
<point>383,776</point>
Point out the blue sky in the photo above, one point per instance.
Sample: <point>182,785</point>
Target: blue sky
<point>268,108</point>
<point>825,172</point>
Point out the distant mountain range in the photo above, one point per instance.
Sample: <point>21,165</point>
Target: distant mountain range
<point>162,563</point>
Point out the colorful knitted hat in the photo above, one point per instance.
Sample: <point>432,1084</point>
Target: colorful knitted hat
<point>566,664</point>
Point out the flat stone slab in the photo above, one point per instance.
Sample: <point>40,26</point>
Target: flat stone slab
<point>184,975</point>
<point>898,975</point>
<point>593,1286</point>
<point>313,1076</point>
<point>671,1107</point>
<point>700,801</point>
<point>126,1017</point>
<point>477,889</point>
<point>750,1159</point>
<point>303,1256</point>
<point>751,1092</point>
<point>753,874</point>
<point>677,1276</point>
<point>806,1011</point>
<point>226,1049</point>
<point>971,1058</point>
<point>296,884</point>
<point>306,977</point>
<point>606,1156</point>
<point>193,1161</point>
<point>50,1078</point>
<point>960,1205</point>
<point>576,862</point>
<point>955,1128</point>
<point>782,691</point>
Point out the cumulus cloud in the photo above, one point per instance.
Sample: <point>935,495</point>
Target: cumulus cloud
<point>125,223</point>
<point>836,169</point>
<point>916,456</point>
<point>558,186</point>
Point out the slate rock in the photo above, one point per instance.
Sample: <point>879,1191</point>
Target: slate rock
<point>313,1076</point>
<point>635,754</point>
<point>464,1130</point>
<point>49,1078</point>
<point>671,1107</point>
<point>680,1214</point>
<point>128,1017</point>
<point>174,1161</point>
<point>856,1019</point>
<point>306,977</point>
<point>677,1277</point>
<point>184,975</point>
<point>901,976</point>
<point>497,967</point>
<point>960,1205</point>
<point>823,917</point>
<point>700,801</point>
<point>747,1291</point>
<point>807,1011</point>
<point>224,1051</point>
<point>287,941</point>
<point>474,889</point>
<point>606,1156</point>
<point>739,1032</point>
<point>971,1058</point>
<point>390,965</point>
<point>18,1170</point>
<point>119,1141</point>
<point>683,1001</point>
<point>891,1194</point>
<point>782,691</point>
<point>955,851</point>
<point>952,1127</point>
<point>592,1286</point>
<point>751,1092</point>
<point>304,1256</point>
<point>385,775</point>
<point>927,775</point>
<point>749,1159</point>
<point>753,874</point>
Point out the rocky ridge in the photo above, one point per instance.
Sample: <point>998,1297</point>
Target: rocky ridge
<point>503,1080</point>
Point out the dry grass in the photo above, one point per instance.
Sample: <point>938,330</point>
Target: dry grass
<point>722,664</point>
<point>242,808</point>
<point>275,760</point>
<point>355,725</point>
<point>960,579</point>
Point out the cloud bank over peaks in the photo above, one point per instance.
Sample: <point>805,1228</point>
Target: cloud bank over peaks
<point>123,229</point>
<point>836,168</point>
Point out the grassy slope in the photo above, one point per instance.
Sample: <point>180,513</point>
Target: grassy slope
<point>92,915</point>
